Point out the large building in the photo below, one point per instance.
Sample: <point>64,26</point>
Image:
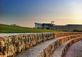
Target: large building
<point>69,27</point>
<point>44,25</point>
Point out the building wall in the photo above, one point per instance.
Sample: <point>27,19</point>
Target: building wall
<point>37,25</point>
<point>59,27</point>
<point>44,26</point>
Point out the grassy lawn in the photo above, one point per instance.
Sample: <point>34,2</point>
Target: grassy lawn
<point>17,29</point>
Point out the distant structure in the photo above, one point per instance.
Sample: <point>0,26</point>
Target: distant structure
<point>44,25</point>
<point>52,22</point>
<point>68,27</point>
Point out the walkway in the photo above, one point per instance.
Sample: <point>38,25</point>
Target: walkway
<point>35,51</point>
<point>75,50</point>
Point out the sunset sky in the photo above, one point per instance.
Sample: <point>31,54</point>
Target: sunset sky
<point>27,12</point>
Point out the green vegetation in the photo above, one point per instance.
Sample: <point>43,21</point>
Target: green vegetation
<point>18,29</point>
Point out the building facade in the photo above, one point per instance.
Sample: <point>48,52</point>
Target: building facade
<point>69,27</point>
<point>44,25</point>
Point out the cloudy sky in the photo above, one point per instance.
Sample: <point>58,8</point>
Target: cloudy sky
<point>27,12</point>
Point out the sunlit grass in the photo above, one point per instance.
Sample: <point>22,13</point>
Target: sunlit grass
<point>18,29</point>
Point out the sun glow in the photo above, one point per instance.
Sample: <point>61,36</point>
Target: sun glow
<point>76,10</point>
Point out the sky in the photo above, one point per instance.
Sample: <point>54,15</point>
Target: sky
<point>27,12</point>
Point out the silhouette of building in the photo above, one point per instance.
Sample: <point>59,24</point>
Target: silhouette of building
<point>44,25</point>
<point>68,27</point>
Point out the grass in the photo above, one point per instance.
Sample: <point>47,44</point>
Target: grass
<point>18,29</point>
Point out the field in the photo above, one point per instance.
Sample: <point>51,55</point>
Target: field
<point>18,29</point>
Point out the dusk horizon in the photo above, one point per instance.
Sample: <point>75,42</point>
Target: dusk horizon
<point>40,28</point>
<point>27,12</point>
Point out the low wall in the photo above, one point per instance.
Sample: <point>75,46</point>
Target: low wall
<point>67,45</point>
<point>61,34</point>
<point>47,52</point>
<point>11,45</point>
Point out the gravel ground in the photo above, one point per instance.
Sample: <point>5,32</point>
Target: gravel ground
<point>75,50</point>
